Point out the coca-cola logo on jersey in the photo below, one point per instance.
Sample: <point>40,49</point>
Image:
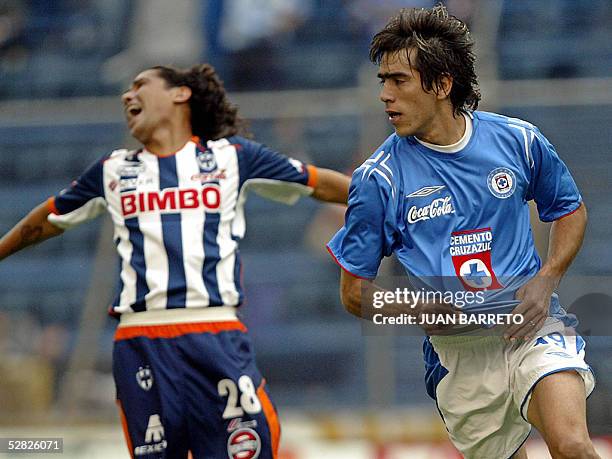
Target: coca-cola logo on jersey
<point>436,208</point>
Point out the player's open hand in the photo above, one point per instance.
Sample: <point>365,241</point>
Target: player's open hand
<point>534,304</point>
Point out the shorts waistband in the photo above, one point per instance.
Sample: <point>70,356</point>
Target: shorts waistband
<point>458,340</point>
<point>178,316</point>
<point>484,337</point>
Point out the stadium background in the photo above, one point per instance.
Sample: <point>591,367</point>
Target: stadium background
<point>298,70</point>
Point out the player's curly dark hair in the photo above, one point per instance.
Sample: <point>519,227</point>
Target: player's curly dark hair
<point>212,115</point>
<point>443,46</point>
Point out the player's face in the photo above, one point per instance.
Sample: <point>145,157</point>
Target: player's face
<point>148,105</point>
<point>411,109</point>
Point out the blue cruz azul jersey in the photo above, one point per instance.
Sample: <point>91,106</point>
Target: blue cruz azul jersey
<point>178,218</point>
<point>461,216</point>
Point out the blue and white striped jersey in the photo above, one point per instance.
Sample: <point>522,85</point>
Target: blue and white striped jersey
<point>178,218</point>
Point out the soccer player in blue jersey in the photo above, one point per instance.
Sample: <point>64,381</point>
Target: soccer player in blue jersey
<point>448,194</point>
<point>183,364</point>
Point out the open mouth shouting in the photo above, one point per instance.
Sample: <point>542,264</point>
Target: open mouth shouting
<point>132,111</point>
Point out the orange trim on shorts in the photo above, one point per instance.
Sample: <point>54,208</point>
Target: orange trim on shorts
<point>125,428</point>
<point>51,206</point>
<point>174,330</point>
<point>271,418</point>
<point>313,176</point>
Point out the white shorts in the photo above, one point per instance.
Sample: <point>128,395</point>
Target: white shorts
<point>484,397</point>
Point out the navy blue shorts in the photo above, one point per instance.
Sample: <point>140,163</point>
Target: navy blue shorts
<point>193,388</point>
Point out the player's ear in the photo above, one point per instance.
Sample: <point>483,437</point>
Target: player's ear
<point>443,86</point>
<point>181,93</point>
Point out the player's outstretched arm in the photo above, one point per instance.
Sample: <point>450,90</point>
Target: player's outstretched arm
<point>32,229</point>
<point>331,186</point>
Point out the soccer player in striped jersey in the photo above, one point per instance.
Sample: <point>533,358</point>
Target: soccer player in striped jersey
<point>448,194</point>
<point>184,368</point>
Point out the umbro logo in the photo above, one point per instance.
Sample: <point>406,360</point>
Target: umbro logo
<point>425,191</point>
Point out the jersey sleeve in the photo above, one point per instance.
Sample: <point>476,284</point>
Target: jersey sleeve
<point>367,235</point>
<point>552,186</point>
<point>81,201</point>
<point>272,174</point>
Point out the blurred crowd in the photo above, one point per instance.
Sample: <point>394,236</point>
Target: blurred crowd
<point>69,47</point>
<point>87,47</point>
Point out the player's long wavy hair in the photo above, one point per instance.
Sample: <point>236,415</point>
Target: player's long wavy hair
<point>443,46</point>
<point>212,115</point>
